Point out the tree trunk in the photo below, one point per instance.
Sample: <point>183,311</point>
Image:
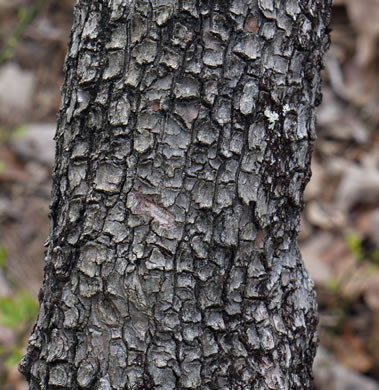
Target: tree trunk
<point>183,149</point>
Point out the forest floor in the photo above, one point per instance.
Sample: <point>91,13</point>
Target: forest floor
<point>340,225</point>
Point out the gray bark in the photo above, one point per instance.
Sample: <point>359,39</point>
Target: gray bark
<point>183,149</point>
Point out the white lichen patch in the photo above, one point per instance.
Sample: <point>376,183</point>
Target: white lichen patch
<point>286,108</point>
<point>272,117</point>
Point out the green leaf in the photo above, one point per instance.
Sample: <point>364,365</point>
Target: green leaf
<point>375,255</point>
<point>4,134</point>
<point>354,243</point>
<point>20,132</point>
<point>334,285</point>
<point>22,15</point>
<point>14,358</point>
<point>372,269</point>
<point>19,310</point>
<point>3,253</point>
<point>8,314</point>
<point>2,166</point>
<point>28,306</point>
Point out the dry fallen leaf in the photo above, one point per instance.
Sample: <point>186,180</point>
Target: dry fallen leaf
<point>351,352</point>
<point>364,16</point>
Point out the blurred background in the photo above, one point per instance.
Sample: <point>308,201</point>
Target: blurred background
<point>340,225</point>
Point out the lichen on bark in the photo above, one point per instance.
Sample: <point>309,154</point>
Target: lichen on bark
<point>183,149</point>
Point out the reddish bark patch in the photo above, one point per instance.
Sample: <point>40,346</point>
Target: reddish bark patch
<point>155,105</point>
<point>251,24</point>
<point>260,239</point>
<point>146,205</point>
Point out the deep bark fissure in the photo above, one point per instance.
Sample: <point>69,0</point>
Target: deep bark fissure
<point>183,149</point>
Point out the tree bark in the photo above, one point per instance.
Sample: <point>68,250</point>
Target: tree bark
<point>183,149</point>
